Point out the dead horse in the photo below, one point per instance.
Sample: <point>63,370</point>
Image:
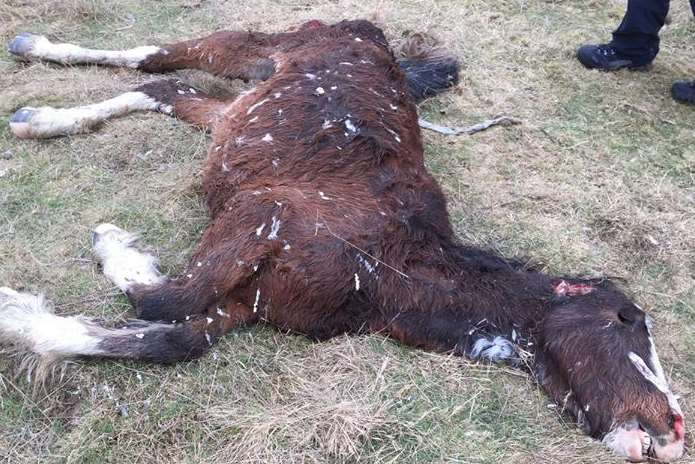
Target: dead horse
<point>324,221</point>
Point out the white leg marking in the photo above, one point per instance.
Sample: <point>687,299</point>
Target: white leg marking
<point>45,122</point>
<point>41,48</point>
<point>27,321</point>
<point>123,264</point>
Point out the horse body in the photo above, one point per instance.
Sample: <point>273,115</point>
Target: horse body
<point>324,221</point>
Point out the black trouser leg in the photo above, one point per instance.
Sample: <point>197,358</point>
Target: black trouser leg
<point>638,34</point>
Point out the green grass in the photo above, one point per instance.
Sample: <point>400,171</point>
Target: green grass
<point>599,179</point>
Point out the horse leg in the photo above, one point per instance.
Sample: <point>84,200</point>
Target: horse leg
<point>171,97</point>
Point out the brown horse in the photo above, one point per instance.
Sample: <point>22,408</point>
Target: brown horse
<point>325,221</point>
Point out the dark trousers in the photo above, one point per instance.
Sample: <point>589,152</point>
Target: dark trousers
<point>638,34</point>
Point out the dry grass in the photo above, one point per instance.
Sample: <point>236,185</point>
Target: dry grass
<point>600,179</point>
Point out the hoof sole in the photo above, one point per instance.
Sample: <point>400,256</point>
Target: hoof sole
<point>22,44</point>
<point>19,123</point>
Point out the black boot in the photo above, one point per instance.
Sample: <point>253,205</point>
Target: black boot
<point>684,92</point>
<point>606,58</point>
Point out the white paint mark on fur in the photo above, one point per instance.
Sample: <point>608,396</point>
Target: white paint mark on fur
<point>323,196</point>
<point>208,338</point>
<point>258,298</point>
<point>51,122</point>
<point>275,162</point>
<point>277,95</point>
<point>334,87</point>
<point>395,135</point>
<point>286,247</point>
<point>357,39</point>
<point>220,312</point>
<point>259,230</point>
<point>192,90</point>
<point>253,119</point>
<point>140,335</point>
<point>180,92</point>
<point>367,265</point>
<point>319,91</point>
<point>350,126</point>
<point>494,350</point>
<point>280,112</point>
<point>393,107</point>
<point>346,63</point>
<point>326,124</point>
<point>256,105</point>
<point>122,263</point>
<point>310,76</point>
<point>357,282</point>
<point>274,229</point>
<point>267,138</point>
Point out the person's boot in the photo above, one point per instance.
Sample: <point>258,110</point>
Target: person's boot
<point>606,58</point>
<point>684,92</point>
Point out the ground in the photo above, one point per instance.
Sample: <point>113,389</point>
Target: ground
<point>598,180</point>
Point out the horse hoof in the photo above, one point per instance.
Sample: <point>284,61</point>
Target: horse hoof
<point>20,122</point>
<point>22,44</point>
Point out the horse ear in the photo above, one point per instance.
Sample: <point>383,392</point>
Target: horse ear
<point>564,288</point>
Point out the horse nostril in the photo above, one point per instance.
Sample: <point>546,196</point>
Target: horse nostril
<point>625,318</point>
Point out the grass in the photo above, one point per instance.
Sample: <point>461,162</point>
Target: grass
<point>600,179</point>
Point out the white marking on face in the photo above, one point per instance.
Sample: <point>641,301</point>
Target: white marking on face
<point>258,298</point>
<point>267,138</point>
<point>658,381</point>
<point>122,263</point>
<point>51,122</point>
<point>274,229</point>
<point>66,53</point>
